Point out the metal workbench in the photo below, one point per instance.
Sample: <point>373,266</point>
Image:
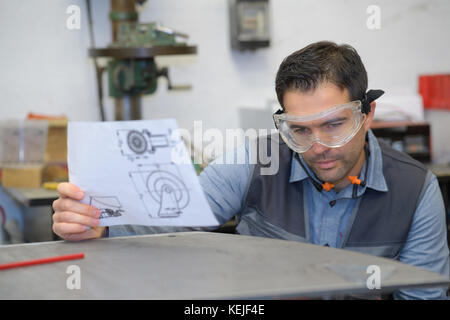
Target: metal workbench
<point>200,265</point>
<point>32,197</point>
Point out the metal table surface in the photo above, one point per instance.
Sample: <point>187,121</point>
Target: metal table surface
<point>199,265</point>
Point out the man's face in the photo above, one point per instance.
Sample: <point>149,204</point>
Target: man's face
<point>329,164</point>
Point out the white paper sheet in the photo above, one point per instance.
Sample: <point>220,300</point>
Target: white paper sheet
<point>137,172</point>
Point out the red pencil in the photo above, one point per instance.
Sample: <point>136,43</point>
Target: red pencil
<point>41,261</point>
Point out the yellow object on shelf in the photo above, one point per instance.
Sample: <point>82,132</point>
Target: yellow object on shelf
<point>50,185</point>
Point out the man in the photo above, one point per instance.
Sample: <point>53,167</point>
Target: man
<point>336,184</point>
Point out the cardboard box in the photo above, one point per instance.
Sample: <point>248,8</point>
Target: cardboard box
<point>22,176</point>
<point>56,172</point>
<point>56,150</point>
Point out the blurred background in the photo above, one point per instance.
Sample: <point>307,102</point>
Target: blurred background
<point>221,72</point>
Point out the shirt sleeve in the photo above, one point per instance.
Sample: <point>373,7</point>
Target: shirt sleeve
<point>426,246</point>
<point>225,181</point>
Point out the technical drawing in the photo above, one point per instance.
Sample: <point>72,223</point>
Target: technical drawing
<point>162,190</point>
<point>109,206</point>
<point>136,144</point>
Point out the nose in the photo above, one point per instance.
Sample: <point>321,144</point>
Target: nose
<point>318,148</point>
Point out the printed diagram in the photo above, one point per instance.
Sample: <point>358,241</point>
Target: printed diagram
<point>137,144</point>
<point>162,190</point>
<point>140,173</point>
<point>109,206</point>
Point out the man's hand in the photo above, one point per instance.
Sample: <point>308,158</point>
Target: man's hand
<point>73,220</point>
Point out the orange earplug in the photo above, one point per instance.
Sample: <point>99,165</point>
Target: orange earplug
<point>327,186</point>
<point>354,179</point>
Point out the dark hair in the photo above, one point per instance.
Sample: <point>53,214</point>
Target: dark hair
<point>320,62</point>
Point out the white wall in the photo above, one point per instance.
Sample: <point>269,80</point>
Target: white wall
<point>44,66</point>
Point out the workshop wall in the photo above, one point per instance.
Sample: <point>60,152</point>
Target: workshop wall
<point>45,68</point>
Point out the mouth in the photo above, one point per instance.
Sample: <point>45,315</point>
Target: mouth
<point>324,165</point>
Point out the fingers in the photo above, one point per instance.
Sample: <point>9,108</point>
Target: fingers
<point>63,229</point>
<point>68,217</point>
<point>67,204</point>
<point>72,219</point>
<point>68,190</point>
<point>76,232</point>
<point>78,219</point>
<point>89,234</point>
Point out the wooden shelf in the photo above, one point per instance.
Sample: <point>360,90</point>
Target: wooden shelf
<point>412,138</point>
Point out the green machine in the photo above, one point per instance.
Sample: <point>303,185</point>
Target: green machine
<point>132,34</point>
<point>132,71</point>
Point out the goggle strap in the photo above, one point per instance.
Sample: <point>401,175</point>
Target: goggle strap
<point>279,111</point>
<point>354,179</point>
<point>369,97</point>
<point>316,184</point>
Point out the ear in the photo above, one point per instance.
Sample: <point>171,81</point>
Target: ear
<point>369,117</point>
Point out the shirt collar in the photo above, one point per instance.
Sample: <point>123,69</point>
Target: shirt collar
<point>375,176</point>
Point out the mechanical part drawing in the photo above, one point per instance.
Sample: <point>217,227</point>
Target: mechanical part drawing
<point>136,144</point>
<point>162,190</point>
<point>109,206</point>
<point>141,173</point>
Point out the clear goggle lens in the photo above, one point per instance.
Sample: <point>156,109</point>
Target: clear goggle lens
<point>332,128</point>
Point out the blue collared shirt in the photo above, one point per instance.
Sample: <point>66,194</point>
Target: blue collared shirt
<point>426,247</point>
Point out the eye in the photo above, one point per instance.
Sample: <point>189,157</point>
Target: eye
<point>334,125</point>
<point>301,130</point>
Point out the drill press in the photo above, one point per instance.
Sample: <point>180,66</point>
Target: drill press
<point>132,71</point>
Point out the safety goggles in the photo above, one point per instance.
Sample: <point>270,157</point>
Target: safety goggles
<point>332,128</point>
